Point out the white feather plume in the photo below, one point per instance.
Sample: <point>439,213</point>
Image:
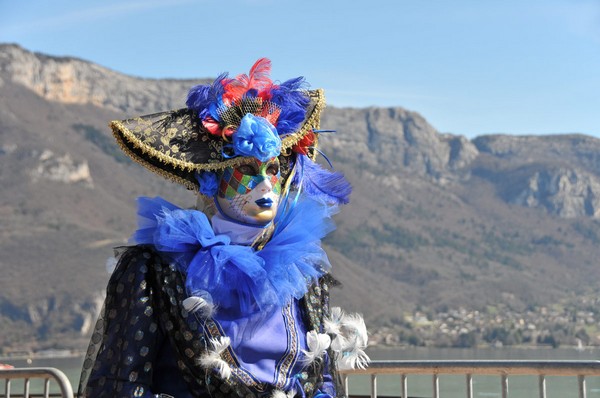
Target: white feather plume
<point>333,326</point>
<point>354,359</point>
<point>333,323</point>
<point>348,330</point>
<point>283,394</point>
<point>355,330</point>
<point>212,358</point>
<point>199,305</point>
<point>317,344</point>
<point>350,338</point>
<point>339,343</point>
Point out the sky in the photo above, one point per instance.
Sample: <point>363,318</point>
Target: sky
<point>469,67</point>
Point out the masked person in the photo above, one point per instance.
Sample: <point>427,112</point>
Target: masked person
<point>232,299</point>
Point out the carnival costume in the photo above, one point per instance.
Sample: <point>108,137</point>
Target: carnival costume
<point>233,300</point>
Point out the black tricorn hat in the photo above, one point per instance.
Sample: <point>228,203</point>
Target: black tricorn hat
<point>177,145</point>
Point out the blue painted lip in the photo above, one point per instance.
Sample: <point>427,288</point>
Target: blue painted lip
<point>264,202</point>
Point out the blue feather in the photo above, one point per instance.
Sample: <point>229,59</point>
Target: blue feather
<point>201,96</point>
<point>296,83</point>
<point>213,110</point>
<point>324,185</point>
<point>197,96</point>
<point>292,101</point>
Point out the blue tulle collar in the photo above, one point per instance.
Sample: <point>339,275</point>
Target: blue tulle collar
<point>239,277</point>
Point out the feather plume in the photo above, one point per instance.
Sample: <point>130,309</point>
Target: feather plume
<point>324,185</point>
<point>355,330</point>
<point>293,100</point>
<point>290,97</point>
<point>317,344</point>
<point>198,96</point>
<point>212,358</point>
<point>350,338</point>
<point>283,394</point>
<point>339,343</point>
<point>259,75</point>
<point>201,96</point>
<point>199,305</point>
<point>354,359</point>
<point>354,333</point>
<point>258,79</point>
<point>295,83</point>
<point>333,323</point>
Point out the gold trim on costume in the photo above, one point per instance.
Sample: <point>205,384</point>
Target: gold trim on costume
<point>288,360</point>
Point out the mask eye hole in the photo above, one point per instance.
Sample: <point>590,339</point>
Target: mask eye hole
<point>273,169</point>
<point>247,169</point>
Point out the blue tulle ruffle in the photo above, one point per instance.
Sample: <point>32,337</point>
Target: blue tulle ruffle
<point>236,276</point>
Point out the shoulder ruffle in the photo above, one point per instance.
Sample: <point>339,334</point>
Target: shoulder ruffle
<point>235,276</point>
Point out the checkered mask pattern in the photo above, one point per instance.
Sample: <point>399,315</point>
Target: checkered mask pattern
<point>234,183</point>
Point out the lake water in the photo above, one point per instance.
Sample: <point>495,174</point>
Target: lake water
<point>421,386</point>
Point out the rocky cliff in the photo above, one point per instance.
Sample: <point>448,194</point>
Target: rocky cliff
<point>398,140</point>
<point>556,173</point>
<point>74,81</point>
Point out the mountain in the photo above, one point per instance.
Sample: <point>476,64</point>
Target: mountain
<point>500,228</point>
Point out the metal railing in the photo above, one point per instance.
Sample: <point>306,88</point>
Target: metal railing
<point>26,375</point>
<point>501,368</point>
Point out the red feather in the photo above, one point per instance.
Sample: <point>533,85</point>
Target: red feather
<point>257,79</point>
<point>259,74</point>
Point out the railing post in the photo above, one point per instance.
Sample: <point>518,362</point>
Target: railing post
<point>26,388</point>
<point>47,388</point>
<point>373,386</point>
<point>504,386</point>
<point>403,386</point>
<point>469,385</point>
<point>581,383</point>
<point>542,386</point>
<point>346,389</point>
<point>436,386</point>
<point>7,388</point>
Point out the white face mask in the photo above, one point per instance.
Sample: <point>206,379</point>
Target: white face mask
<point>250,193</point>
